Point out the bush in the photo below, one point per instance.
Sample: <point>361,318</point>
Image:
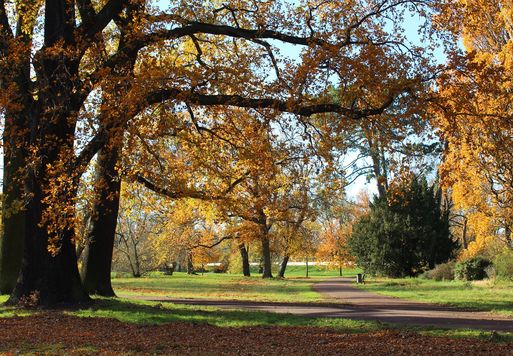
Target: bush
<point>473,269</point>
<point>442,272</point>
<point>504,265</point>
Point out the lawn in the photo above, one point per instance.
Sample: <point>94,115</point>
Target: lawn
<point>153,313</point>
<point>84,333</point>
<point>228,286</point>
<point>480,295</point>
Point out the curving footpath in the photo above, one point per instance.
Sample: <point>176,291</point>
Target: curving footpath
<point>347,301</point>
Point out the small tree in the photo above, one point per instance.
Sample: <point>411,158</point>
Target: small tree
<point>404,233</point>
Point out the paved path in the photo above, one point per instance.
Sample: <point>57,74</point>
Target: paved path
<point>347,301</point>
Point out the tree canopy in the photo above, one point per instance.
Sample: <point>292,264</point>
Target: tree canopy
<point>242,118</point>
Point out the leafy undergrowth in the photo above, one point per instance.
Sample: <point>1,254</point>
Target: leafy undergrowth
<point>58,333</point>
<point>483,295</point>
<point>220,286</point>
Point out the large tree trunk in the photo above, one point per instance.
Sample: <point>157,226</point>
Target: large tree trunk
<point>46,279</point>
<point>13,217</point>
<point>283,266</point>
<point>266,254</point>
<point>245,260</point>
<point>97,263</point>
<point>15,139</point>
<point>49,272</point>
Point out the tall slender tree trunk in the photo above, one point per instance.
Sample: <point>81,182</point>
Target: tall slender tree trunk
<point>190,265</point>
<point>97,263</point>
<point>283,267</point>
<point>245,260</point>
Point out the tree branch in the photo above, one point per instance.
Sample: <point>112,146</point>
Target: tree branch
<point>96,24</point>
<point>268,103</point>
<point>229,237</point>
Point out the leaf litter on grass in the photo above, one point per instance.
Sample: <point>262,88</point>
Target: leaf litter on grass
<point>54,332</point>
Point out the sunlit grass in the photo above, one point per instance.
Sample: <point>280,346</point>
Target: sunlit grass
<point>483,295</point>
<point>220,286</point>
<point>153,313</point>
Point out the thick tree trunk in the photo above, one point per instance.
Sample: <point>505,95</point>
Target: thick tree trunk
<point>46,279</point>
<point>266,254</point>
<point>245,260</point>
<point>49,272</point>
<point>13,220</point>
<point>283,267</point>
<point>97,263</point>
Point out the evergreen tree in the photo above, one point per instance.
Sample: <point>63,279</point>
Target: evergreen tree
<point>404,233</point>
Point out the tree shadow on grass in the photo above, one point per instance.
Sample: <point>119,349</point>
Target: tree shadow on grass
<point>158,313</point>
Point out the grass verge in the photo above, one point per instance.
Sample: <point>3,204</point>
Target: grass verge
<point>496,297</point>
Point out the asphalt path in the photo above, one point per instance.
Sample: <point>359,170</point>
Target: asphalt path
<point>344,300</point>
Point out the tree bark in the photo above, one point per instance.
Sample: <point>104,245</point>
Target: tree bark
<point>266,254</point>
<point>51,178</point>
<point>15,138</point>
<point>13,219</point>
<point>245,260</point>
<point>46,279</point>
<point>283,267</point>
<point>97,263</point>
<point>190,265</point>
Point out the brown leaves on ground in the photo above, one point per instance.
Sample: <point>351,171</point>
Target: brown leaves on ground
<point>80,335</point>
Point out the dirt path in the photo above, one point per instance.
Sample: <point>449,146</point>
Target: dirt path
<point>347,301</point>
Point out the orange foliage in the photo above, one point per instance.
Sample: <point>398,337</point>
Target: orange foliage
<point>475,119</point>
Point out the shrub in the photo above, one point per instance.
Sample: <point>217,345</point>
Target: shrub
<point>504,265</point>
<point>443,271</point>
<point>472,269</point>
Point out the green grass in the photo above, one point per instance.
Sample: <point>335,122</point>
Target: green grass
<point>230,286</point>
<point>319,271</point>
<point>483,295</point>
<point>220,286</point>
<point>152,313</point>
